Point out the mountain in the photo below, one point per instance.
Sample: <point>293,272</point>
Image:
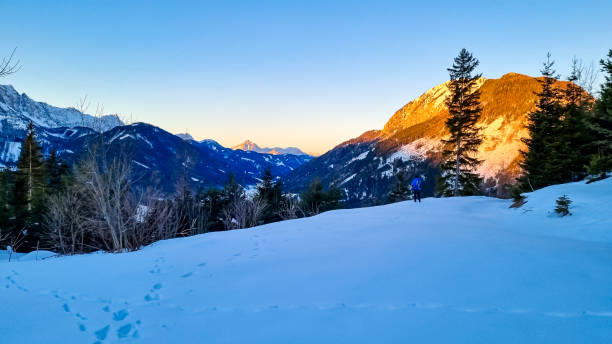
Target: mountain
<point>365,166</point>
<point>434,272</point>
<point>249,145</point>
<point>186,136</point>
<point>17,110</point>
<point>157,156</point>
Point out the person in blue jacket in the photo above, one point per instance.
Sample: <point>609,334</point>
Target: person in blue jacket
<point>416,188</point>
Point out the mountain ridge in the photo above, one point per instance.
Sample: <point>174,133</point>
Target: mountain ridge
<point>157,156</point>
<point>249,145</point>
<point>17,109</point>
<point>365,166</point>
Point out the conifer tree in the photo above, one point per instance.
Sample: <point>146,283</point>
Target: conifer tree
<point>232,191</point>
<point>570,148</point>
<point>601,123</point>
<point>459,162</point>
<point>29,190</point>
<point>542,123</point>
<point>5,209</point>
<point>316,200</point>
<point>56,171</point>
<point>270,192</point>
<point>401,190</point>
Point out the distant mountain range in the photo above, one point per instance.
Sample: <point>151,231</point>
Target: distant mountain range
<point>157,156</point>
<point>251,146</point>
<point>365,166</point>
<point>17,110</point>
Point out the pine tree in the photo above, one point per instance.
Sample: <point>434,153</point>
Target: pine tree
<point>56,171</point>
<point>6,181</point>
<point>271,192</point>
<point>29,190</point>
<point>401,190</point>
<point>542,123</point>
<point>570,149</point>
<point>459,162</point>
<point>601,123</point>
<point>562,206</point>
<point>232,191</point>
<point>315,199</point>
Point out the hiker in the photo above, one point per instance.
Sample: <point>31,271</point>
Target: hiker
<point>416,188</point>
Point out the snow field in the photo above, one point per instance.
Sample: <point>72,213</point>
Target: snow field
<point>461,270</point>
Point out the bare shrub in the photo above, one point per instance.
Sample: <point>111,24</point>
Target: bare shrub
<point>290,208</point>
<point>64,221</point>
<point>243,213</point>
<point>102,211</point>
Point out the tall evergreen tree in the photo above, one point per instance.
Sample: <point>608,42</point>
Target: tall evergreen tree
<point>6,185</point>
<point>271,192</point>
<point>459,161</point>
<point>601,122</point>
<point>29,190</point>
<point>232,191</point>
<point>56,171</point>
<point>315,199</point>
<point>570,148</point>
<point>401,190</point>
<point>542,124</point>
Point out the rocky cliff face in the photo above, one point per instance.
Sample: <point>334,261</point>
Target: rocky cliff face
<point>410,140</point>
<point>17,110</point>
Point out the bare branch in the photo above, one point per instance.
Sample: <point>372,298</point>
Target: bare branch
<point>8,66</point>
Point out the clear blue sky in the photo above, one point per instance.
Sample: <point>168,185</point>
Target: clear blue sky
<point>300,73</point>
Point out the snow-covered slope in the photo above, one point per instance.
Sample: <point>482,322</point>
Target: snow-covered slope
<point>458,270</point>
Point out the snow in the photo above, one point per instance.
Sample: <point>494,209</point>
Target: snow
<point>349,178</point>
<point>145,140</point>
<point>11,151</point>
<point>455,270</point>
<point>414,151</point>
<point>140,164</point>
<point>359,157</point>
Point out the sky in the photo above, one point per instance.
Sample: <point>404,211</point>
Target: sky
<point>310,74</point>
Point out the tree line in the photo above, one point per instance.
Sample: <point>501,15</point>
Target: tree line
<point>95,204</point>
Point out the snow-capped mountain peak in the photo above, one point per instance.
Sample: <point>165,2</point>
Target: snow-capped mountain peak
<point>17,110</point>
<point>249,145</point>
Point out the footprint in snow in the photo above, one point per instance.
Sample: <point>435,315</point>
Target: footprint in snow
<point>153,295</point>
<point>120,315</point>
<point>102,333</point>
<point>124,330</point>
